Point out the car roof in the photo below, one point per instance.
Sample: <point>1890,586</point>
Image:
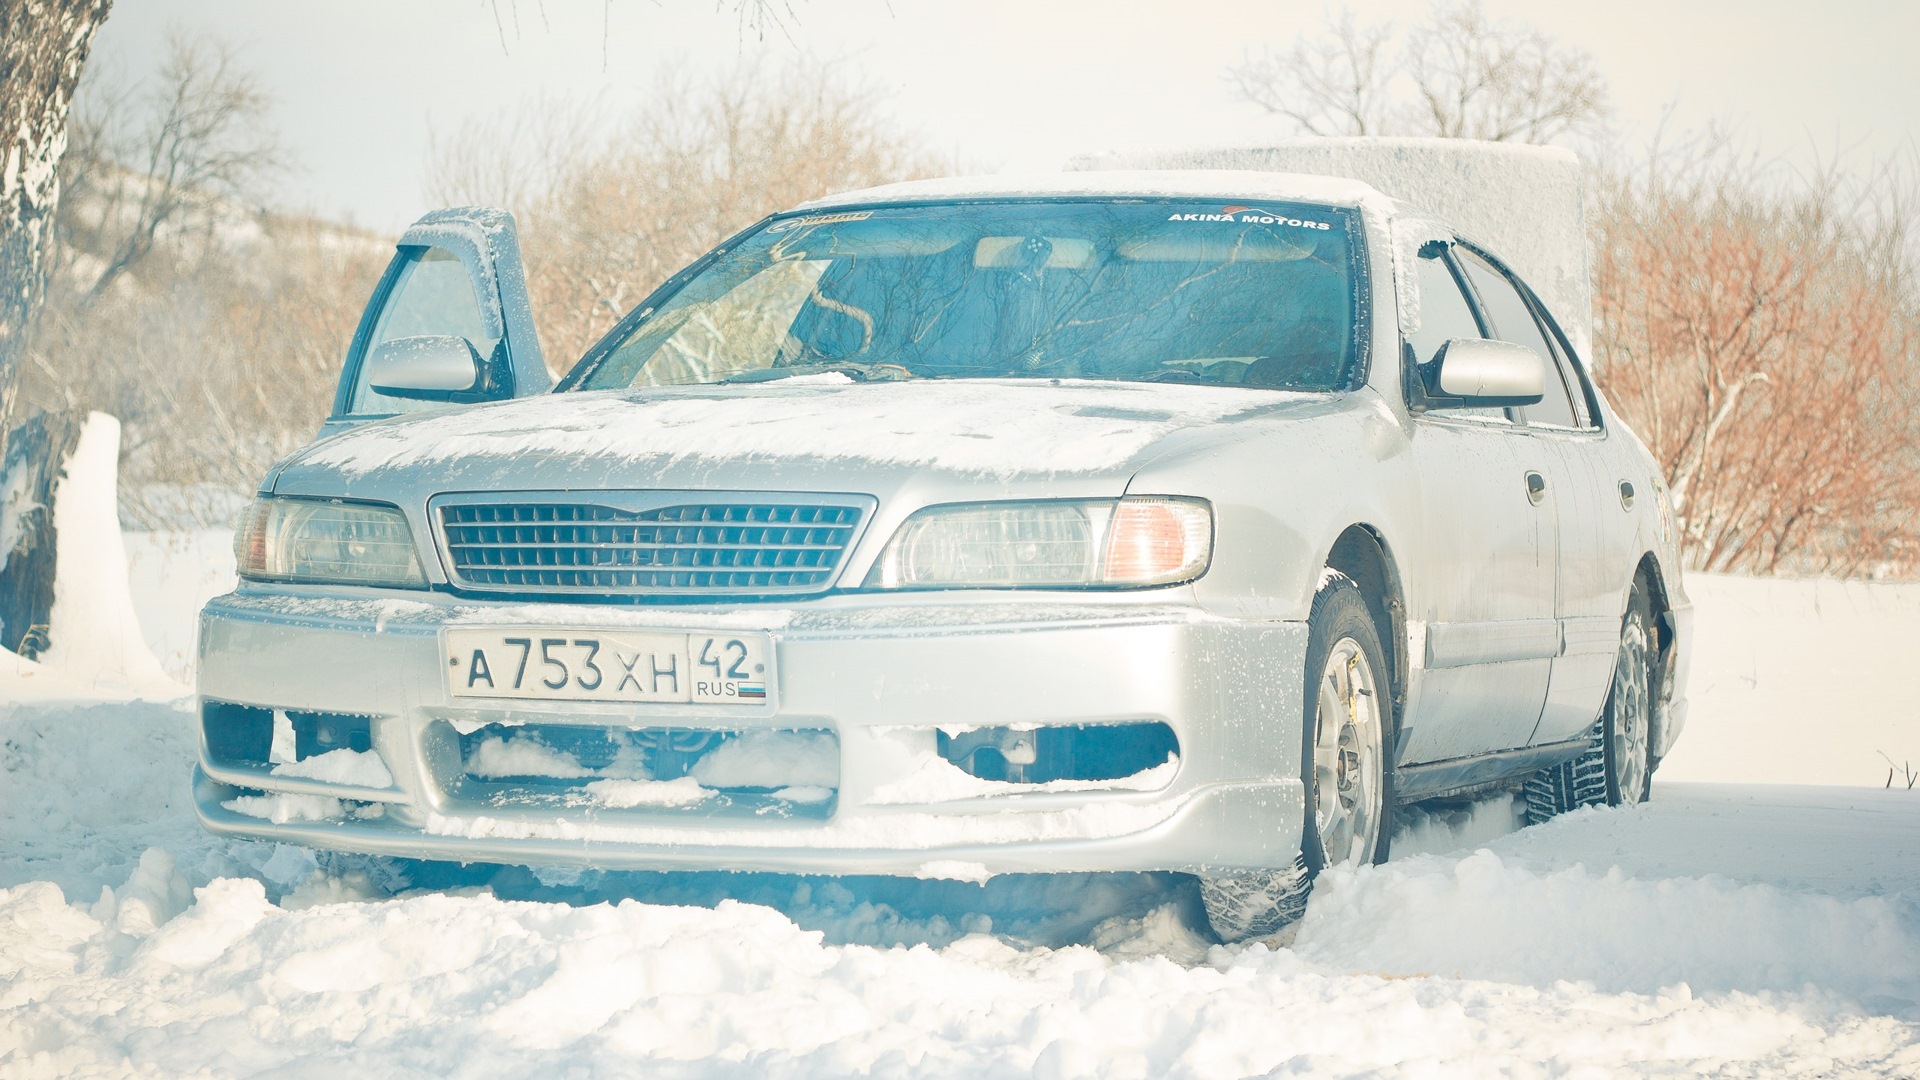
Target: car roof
<point>1145,183</point>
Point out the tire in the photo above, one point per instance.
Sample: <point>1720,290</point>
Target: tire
<point>1346,721</point>
<point>1617,768</point>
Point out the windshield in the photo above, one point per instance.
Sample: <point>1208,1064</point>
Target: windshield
<point>1132,290</point>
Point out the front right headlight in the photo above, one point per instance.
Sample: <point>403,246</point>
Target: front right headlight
<point>329,542</point>
<point>1134,542</point>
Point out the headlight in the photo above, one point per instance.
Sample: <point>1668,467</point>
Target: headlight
<point>1114,543</point>
<point>326,541</point>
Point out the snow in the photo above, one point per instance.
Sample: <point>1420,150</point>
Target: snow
<point>94,632</point>
<point>495,756</point>
<point>1800,681</point>
<point>1167,183</point>
<point>620,794</point>
<point>1524,202</point>
<point>905,831</point>
<point>360,768</point>
<point>14,507</point>
<point>172,575</point>
<point>1725,928</point>
<point>994,428</point>
<point>281,807</point>
<point>939,780</point>
<point>772,759</point>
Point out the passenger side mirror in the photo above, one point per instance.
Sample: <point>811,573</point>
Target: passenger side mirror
<point>430,367</point>
<point>1479,372</point>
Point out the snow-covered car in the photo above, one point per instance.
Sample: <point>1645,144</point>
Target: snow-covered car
<point>1183,521</point>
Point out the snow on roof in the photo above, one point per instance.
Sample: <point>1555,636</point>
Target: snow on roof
<point>1168,183</point>
<point>1523,202</point>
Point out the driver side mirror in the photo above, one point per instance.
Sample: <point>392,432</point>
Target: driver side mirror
<point>1479,372</point>
<point>429,367</point>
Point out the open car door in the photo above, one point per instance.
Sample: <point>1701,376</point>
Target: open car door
<point>448,324</point>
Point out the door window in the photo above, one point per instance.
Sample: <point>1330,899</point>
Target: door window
<point>433,294</point>
<point>1513,322</point>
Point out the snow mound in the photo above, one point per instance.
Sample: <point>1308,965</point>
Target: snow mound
<point>95,634</point>
<point>1483,918</point>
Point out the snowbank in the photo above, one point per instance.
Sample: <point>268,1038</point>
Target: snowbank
<point>97,648</point>
<point>1800,681</point>
<point>1467,966</point>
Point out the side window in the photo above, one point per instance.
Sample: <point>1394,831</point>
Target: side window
<point>1513,321</point>
<point>1585,408</point>
<point>1444,315</point>
<point>433,294</point>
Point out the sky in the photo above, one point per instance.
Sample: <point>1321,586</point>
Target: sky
<point>362,86</point>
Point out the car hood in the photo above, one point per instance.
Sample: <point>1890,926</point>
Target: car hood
<point>805,433</point>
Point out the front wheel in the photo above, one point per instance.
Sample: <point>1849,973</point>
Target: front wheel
<point>1617,769</point>
<point>1345,716</point>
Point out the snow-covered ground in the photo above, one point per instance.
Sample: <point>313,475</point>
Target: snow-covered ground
<point>1742,926</point>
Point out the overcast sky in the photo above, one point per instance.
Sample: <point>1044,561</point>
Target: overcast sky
<point>360,84</point>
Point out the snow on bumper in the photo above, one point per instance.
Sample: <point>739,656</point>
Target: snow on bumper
<point>878,683</point>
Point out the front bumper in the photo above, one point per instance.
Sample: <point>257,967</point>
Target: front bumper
<point>884,677</point>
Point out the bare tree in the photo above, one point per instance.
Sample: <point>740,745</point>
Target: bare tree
<point>189,152</point>
<point>1458,74</point>
<point>1336,84</point>
<point>221,343</point>
<point>605,219</point>
<point>43,46</point>
<point>1478,79</point>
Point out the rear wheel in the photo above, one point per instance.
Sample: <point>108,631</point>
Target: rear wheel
<point>1617,769</point>
<point>1345,716</point>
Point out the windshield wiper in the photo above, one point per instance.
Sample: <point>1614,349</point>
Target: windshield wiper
<point>854,370</point>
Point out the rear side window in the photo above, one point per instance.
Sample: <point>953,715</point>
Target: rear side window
<point>1513,321</point>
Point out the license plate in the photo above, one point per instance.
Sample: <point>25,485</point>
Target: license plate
<point>600,665</point>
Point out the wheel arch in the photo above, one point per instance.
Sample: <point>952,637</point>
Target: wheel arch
<point>1648,577</point>
<point>1363,555</point>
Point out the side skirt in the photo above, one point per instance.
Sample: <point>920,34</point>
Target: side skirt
<point>1456,776</point>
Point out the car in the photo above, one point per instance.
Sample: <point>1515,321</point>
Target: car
<point>1187,520</point>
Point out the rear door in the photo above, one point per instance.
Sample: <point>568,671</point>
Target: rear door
<point>455,273</point>
<point>1594,565</point>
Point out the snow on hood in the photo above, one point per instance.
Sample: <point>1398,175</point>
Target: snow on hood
<point>979,427</point>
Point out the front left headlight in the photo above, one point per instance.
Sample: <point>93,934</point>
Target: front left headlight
<point>1085,543</point>
<point>327,542</point>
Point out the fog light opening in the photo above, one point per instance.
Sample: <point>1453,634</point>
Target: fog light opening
<point>1045,753</point>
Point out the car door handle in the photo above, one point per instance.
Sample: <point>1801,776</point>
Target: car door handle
<point>1536,488</point>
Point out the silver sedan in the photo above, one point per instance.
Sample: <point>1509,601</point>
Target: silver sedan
<point>1177,521</point>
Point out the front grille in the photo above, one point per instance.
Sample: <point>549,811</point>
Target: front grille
<point>652,546</point>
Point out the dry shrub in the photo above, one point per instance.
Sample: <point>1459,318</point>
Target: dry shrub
<point>605,218</point>
<point>213,329</point>
<point>1760,334</point>
<point>218,358</point>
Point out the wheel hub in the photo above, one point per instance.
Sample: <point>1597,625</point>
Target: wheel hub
<point>1631,713</point>
<point>1347,757</point>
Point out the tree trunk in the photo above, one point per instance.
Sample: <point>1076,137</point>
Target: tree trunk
<point>43,44</point>
<point>35,457</point>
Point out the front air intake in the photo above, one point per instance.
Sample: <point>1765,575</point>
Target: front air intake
<point>647,544</point>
